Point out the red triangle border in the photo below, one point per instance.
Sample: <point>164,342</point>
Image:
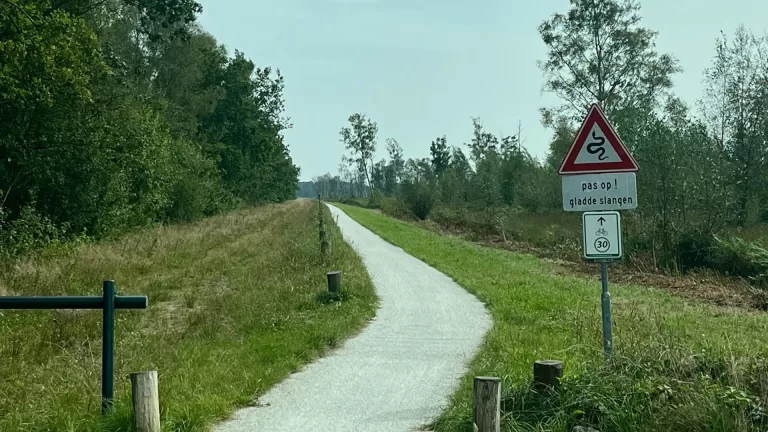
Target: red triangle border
<point>596,115</point>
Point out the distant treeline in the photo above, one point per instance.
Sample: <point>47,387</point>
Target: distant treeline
<point>118,114</point>
<point>331,188</point>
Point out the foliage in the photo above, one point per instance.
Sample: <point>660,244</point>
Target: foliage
<point>360,139</point>
<point>441,156</point>
<point>124,114</point>
<point>637,392</point>
<point>396,159</point>
<point>29,231</point>
<point>419,197</point>
<point>743,258</point>
<point>597,52</point>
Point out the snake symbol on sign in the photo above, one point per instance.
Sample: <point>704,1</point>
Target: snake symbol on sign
<point>597,147</point>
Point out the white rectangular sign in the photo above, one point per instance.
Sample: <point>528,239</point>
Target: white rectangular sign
<point>592,192</point>
<point>602,235</point>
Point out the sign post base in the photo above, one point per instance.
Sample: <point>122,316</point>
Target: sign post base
<point>607,316</point>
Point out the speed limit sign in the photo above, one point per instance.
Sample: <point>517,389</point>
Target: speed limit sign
<point>602,235</point>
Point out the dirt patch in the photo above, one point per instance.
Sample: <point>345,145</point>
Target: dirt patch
<point>712,289</point>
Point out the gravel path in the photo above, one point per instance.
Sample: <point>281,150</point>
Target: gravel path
<point>399,372</point>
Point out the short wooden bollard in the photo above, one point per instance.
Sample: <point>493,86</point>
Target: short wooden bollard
<point>487,413</point>
<point>547,374</point>
<point>146,401</point>
<point>334,282</point>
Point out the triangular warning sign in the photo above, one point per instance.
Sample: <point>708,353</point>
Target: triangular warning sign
<point>597,148</point>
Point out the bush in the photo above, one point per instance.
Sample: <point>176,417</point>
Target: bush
<point>187,203</point>
<point>461,219</point>
<point>732,256</point>
<point>420,198</point>
<point>357,202</point>
<point>634,398</point>
<point>374,201</point>
<point>656,386</point>
<point>695,249</point>
<point>28,232</point>
<point>395,208</point>
<point>738,257</point>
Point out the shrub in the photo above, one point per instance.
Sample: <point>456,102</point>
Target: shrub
<point>462,219</point>
<point>187,202</point>
<point>357,202</point>
<point>374,201</point>
<point>739,257</point>
<point>29,231</point>
<point>653,387</point>
<point>695,249</point>
<point>420,198</point>
<point>396,208</point>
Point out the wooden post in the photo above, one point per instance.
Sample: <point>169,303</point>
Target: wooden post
<point>320,213</point>
<point>146,401</point>
<point>334,282</point>
<point>325,246</point>
<point>487,415</point>
<point>547,374</point>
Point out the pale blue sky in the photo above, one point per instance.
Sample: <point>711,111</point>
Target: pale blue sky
<point>423,68</point>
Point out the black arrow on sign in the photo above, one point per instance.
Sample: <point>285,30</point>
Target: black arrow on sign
<point>601,220</point>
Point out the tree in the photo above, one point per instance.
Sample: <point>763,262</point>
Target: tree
<point>123,113</point>
<point>395,168</point>
<point>735,106</point>
<point>189,76</point>
<point>510,144</point>
<point>455,180</point>
<point>243,133</point>
<point>482,141</point>
<point>345,174</point>
<point>396,157</point>
<point>378,176</point>
<point>158,21</point>
<point>564,135</point>
<point>441,156</point>
<point>597,52</point>
<point>360,139</point>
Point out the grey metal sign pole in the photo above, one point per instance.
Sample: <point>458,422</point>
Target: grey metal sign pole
<point>602,244</point>
<point>607,317</point>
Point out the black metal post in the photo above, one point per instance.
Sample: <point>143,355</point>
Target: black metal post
<point>108,348</point>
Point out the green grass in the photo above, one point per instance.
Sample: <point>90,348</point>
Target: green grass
<point>679,365</point>
<point>236,304</point>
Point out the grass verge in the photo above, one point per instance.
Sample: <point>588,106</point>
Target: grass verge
<point>679,366</point>
<point>235,306</point>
